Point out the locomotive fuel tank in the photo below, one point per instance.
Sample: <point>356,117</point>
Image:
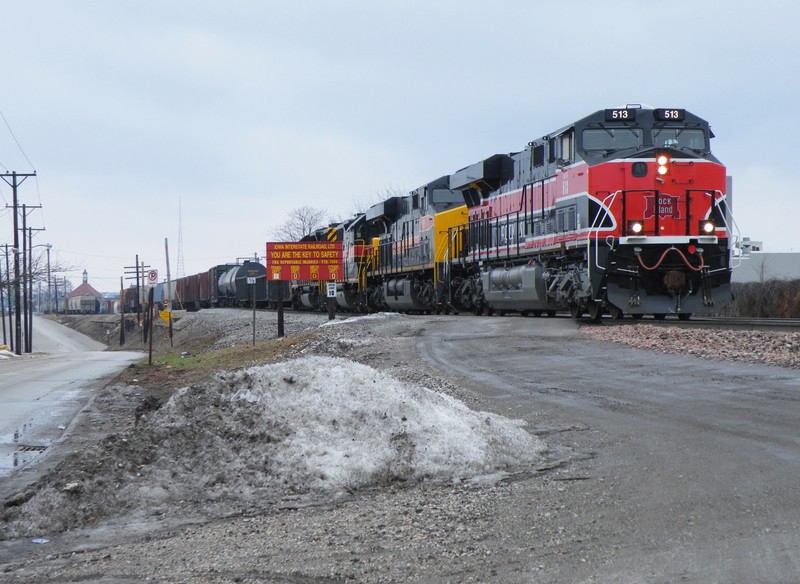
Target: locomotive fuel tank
<point>309,299</point>
<point>346,297</point>
<point>516,288</point>
<point>404,294</point>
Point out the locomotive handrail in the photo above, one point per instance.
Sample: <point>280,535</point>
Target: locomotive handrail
<point>735,237</point>
<point>594,228</point>
<point>363,266</point>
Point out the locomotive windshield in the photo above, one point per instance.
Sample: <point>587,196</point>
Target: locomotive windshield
<point>679,138</point>
<point>610,139</point>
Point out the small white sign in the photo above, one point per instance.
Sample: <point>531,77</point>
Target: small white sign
<point>331,289</point>
<point>152,277</point>
<point>251,280</point>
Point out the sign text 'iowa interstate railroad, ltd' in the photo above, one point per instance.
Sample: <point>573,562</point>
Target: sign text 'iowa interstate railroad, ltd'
<point>311,260</point>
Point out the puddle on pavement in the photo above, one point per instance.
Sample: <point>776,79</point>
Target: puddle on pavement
<point>13,456</point>
<point>16,452</point>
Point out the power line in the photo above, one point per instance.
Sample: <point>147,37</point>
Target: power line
<point>17,141</point>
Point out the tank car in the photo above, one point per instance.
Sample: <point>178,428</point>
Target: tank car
<point>215,297</point>
<point>624,211</point>
<point>243,284</point>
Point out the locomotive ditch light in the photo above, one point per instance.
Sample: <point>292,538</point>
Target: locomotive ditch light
<point>707,227</point>
<point>636,227</point>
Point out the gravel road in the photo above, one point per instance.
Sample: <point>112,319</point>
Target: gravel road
<point>642,481</point>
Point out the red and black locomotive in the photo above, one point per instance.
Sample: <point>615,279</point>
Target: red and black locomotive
<point>624,211</point>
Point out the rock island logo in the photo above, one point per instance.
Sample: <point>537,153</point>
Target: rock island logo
<point>667,207</point>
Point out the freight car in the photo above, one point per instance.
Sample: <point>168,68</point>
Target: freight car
<point>83,304</point>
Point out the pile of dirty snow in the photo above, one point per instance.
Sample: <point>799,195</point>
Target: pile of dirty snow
<point>347,425</point>
<point>313,426</point>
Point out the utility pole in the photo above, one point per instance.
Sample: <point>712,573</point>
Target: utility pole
<point>29,306</point>
<point>22,277</point>
<point>121,312</point>
<point>134,272</point>
<point>10,319</point>
<point>49,298</point>
<point>3,305</point>
<point>16,180</point>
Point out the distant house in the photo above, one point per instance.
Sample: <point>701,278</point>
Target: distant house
<point>84,299</point>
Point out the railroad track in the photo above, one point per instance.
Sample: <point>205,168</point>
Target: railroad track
<point>783,324</point>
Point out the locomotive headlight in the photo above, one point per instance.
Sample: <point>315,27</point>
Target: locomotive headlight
<point>662,160</point>
<point>636,227</point>
<point>707,227</point>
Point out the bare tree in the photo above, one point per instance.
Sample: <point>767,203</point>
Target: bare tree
<point>361,205</point>
<point>300,222</point>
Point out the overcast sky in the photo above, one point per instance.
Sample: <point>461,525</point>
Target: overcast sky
<point>237,112</point>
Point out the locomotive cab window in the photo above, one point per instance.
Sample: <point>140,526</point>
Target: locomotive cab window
<point>612,139</point>
<point>682,137</point>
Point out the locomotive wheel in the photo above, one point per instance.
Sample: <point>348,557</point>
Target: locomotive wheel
<point>659,316</point>
<point>551,313</point>
<point>615,312</point>
<point>637,316</point>
<point>684,316</point>
<point>576,311</point>
<point>595,311</point>
<point>537,313</point>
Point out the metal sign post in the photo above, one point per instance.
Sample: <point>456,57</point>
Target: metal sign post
<point>331,300</point>
<point>251,281</point>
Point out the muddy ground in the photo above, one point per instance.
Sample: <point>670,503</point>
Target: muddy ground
<point>87,500</point>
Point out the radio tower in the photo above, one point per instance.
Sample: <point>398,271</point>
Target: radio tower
<point>179,268</point>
